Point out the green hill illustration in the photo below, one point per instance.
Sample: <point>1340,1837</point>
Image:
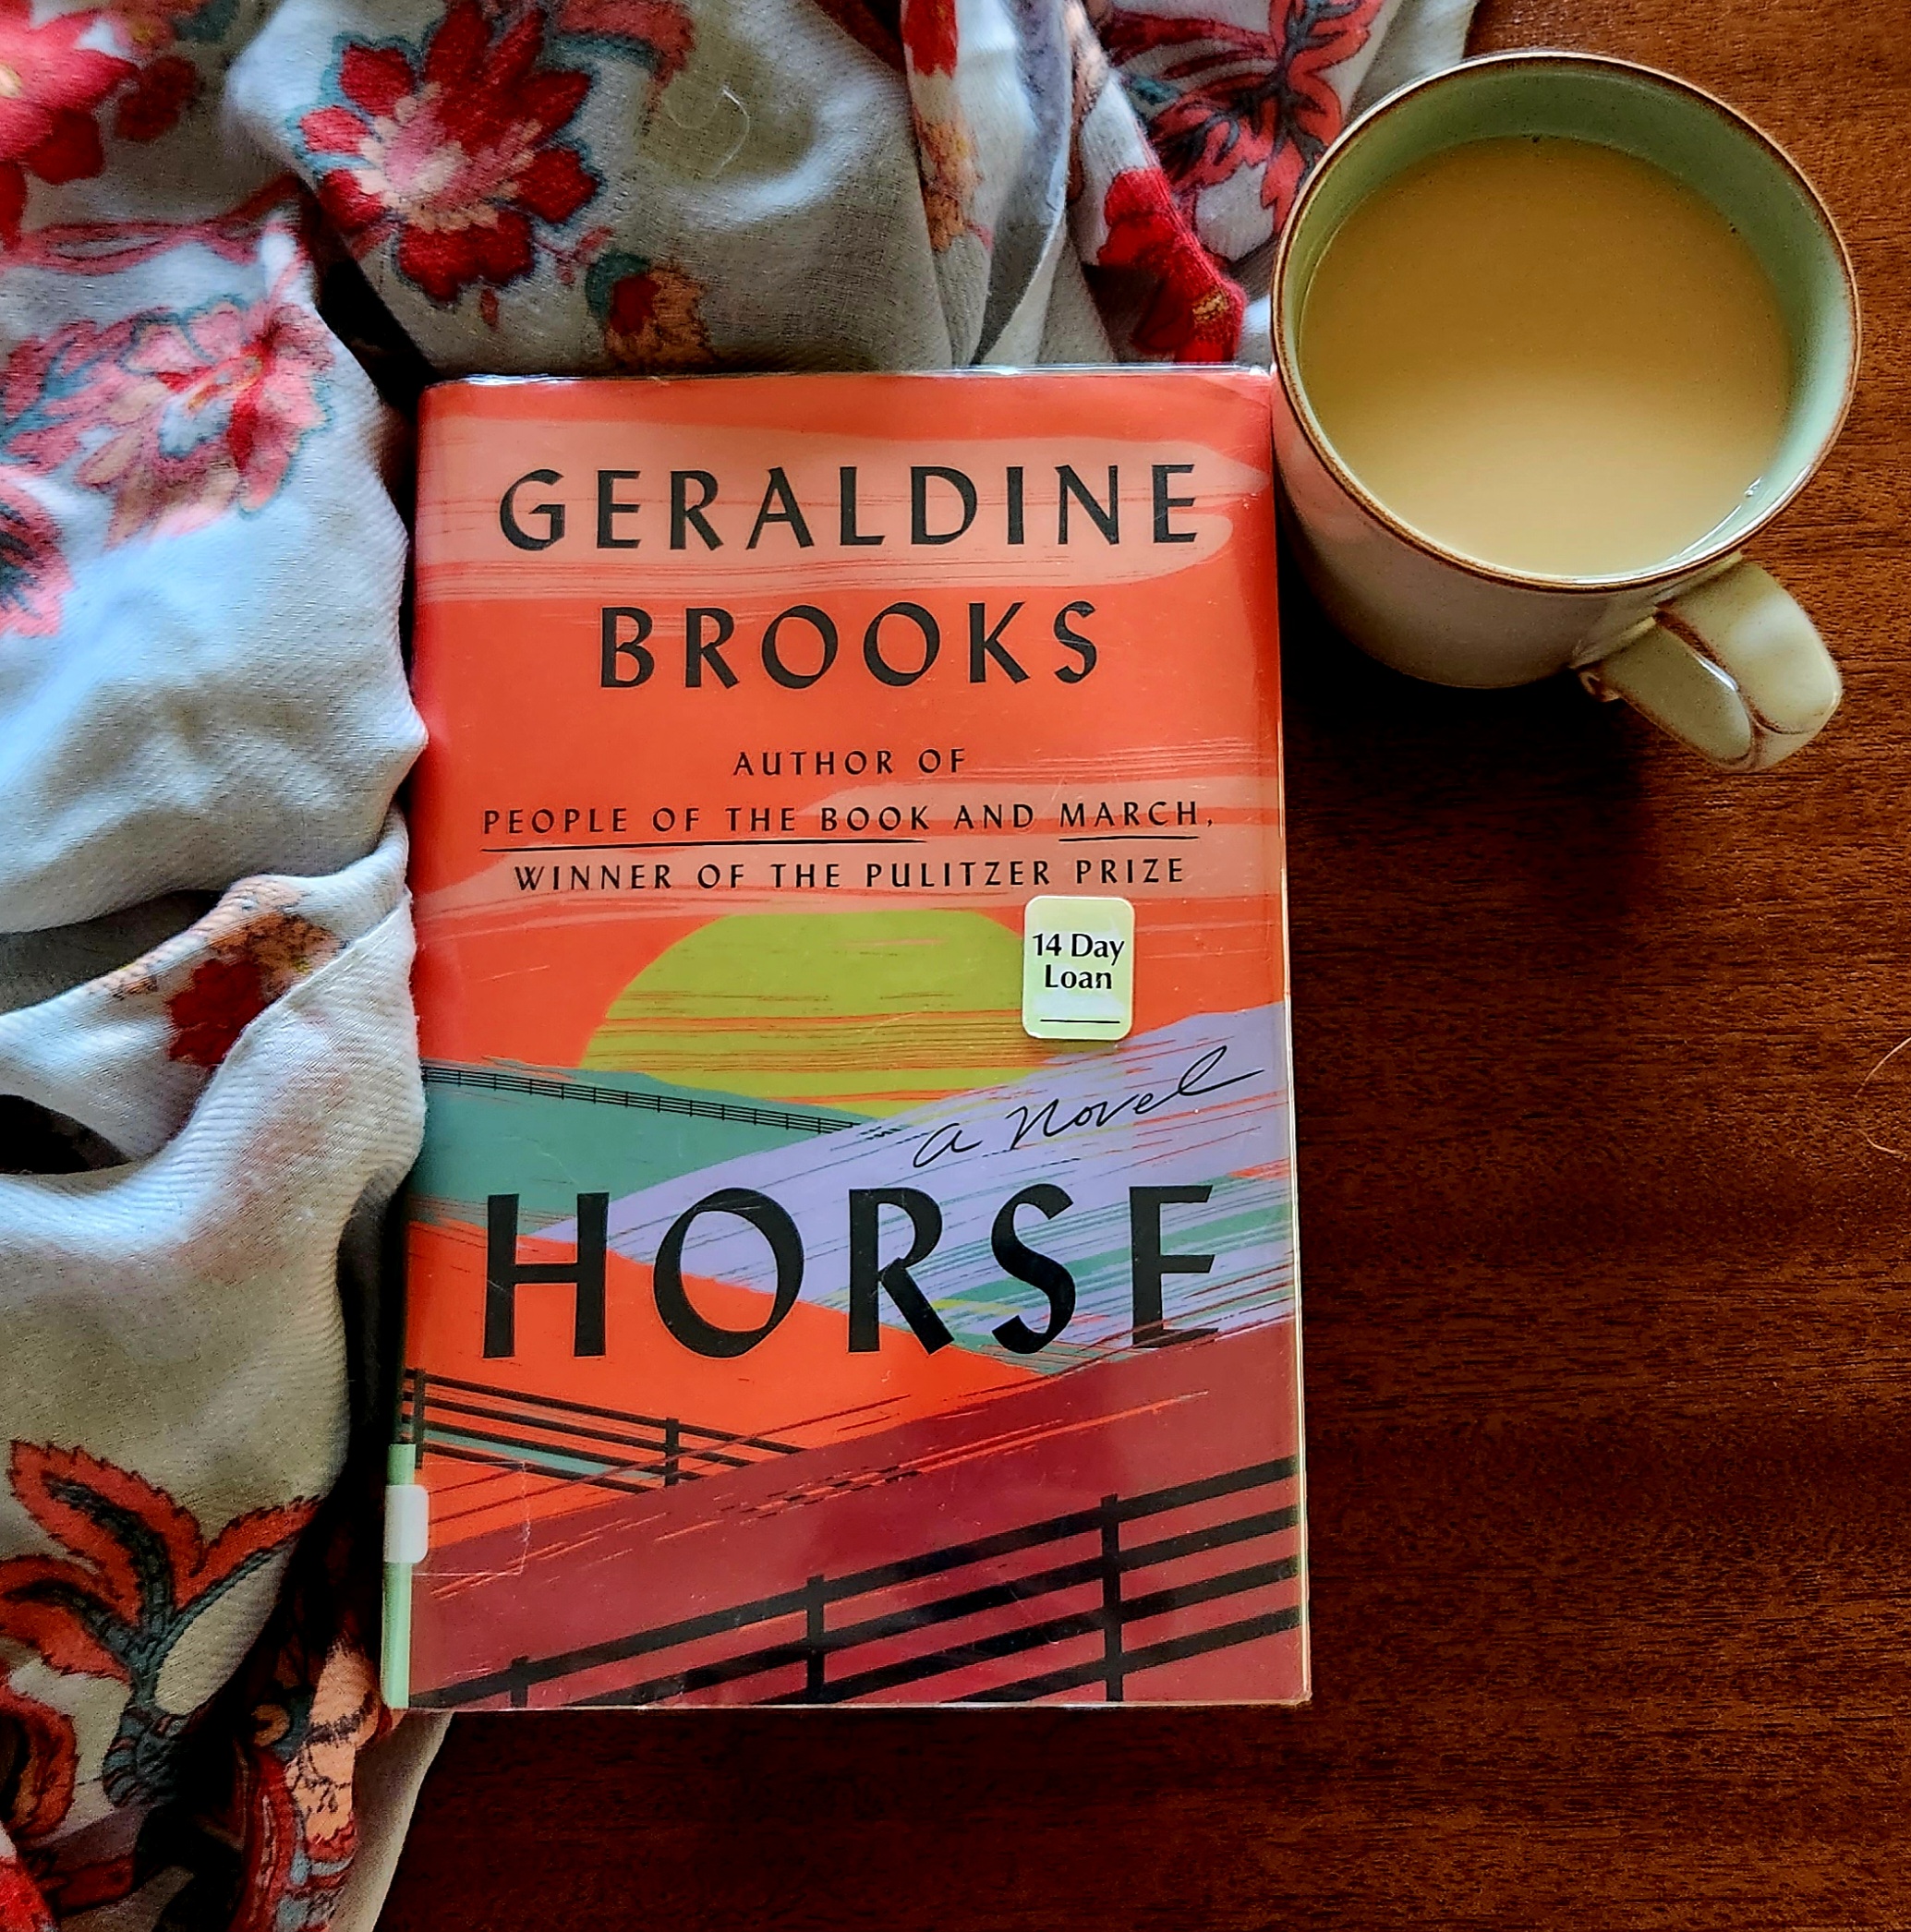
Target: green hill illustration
<point>861,1012</point>
<point>579,1133</point>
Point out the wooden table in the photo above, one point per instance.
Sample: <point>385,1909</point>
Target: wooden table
<point>1608,1343</point>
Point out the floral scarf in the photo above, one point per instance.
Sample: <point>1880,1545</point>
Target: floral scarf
<point>237,236</point>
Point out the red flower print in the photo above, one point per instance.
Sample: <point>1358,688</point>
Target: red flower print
<point>21,1907</point>
<point>140,1574</point>
<point>70,1889</point>
<point>659,34</point>
<point>453,153</point>
<point>1195,313</point>
<point>214,1006</point>
<point>151,25</point>
<point>650,312</point>
<point>33,575</point>
<point>945,148</point>
<point>42,1773</point>
<point>218,975</point>
<point>203,412</point>
<point>929,34</point>
<point>944,159</point>
<point>50,86</point>
<point>152,106</point>
<point>257,953</point>
<point>319,1735</point>
<point>290,1812</point>
<point>1227,97</point>
<point>271,1845</point>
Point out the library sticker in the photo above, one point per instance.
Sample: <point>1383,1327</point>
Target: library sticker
<point>1077,968</point>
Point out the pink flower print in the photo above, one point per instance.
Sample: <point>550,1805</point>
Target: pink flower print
<point>205,414</point>
<point>452,153</point>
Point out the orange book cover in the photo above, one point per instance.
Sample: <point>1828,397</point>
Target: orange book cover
<point>853,1255</point>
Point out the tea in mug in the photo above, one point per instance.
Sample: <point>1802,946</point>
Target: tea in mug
<point>1548,355</point>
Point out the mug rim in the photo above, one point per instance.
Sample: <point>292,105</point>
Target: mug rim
<point>1685,564</point>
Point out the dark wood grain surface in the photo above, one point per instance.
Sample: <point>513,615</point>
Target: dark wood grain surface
<point>1606,1203</point>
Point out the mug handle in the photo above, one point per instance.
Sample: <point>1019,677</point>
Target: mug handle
<point>1734,667</point>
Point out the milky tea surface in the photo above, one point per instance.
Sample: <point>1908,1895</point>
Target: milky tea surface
<point>1546,356</point>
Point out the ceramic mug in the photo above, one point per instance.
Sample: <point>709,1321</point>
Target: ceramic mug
<point>1705,643</point>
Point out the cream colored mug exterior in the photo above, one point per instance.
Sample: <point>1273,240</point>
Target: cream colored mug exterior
<point>1707,645</point>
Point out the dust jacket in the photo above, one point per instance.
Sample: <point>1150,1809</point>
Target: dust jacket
<point>853,1255</point>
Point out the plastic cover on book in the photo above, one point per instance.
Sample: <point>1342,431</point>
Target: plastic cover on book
<point>852,1257</point>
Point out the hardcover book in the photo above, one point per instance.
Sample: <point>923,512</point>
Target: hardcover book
<point>851,1258</point>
